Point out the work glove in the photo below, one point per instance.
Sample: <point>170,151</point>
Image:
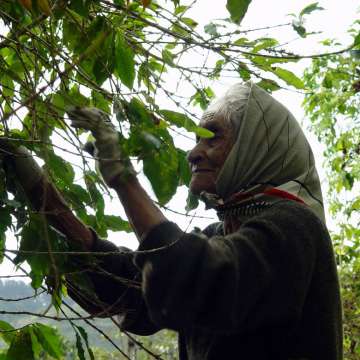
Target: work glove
<point>113,166</point>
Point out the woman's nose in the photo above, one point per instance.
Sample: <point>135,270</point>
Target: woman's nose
<point>195,155</point>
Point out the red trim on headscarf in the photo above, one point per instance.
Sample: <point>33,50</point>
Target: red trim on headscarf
<point>283,194</point>
<point>238,197</point>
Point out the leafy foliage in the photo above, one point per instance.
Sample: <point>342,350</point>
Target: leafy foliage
<point>237,9</point>
<point>31,341</point>
<point>333,105</point>
<point>299,20</point>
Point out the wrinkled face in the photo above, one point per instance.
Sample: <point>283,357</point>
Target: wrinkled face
<point>208,156</point>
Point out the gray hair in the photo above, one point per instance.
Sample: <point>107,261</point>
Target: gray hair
<point>231,106</point>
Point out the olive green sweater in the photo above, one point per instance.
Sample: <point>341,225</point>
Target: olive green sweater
<point>268,291</point>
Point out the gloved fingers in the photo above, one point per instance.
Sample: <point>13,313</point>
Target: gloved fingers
<point>82,124</point>
<point>88,118</point>
<point>91,113</point>
<point>89,147</point>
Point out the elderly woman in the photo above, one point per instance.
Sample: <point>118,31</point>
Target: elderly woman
<point>262,283</point>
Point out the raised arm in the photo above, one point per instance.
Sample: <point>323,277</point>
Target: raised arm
<point>117,171</point>
<point>115,278</point>
<point>43,196</point>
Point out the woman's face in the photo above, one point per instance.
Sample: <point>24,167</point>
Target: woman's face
<point>208,156</point>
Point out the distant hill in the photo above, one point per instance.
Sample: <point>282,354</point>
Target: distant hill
<point>11,295</point>
<point>14,290</point>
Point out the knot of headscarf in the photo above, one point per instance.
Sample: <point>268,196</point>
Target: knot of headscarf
<point>270,160</point>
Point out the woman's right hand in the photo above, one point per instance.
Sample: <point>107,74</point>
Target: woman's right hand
<point>113,166</point>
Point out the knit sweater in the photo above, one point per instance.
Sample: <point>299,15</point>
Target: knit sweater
<point>269,291</point>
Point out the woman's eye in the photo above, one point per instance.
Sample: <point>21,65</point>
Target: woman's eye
<point>213,141</point>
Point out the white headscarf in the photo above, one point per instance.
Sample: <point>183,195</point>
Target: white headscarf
<point>270,148</point>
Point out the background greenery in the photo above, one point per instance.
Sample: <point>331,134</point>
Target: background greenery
<point>128,58</point>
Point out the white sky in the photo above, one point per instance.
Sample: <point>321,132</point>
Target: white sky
<point>333,22</point>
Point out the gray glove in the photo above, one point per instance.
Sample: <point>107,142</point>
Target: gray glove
<point>113,166</point>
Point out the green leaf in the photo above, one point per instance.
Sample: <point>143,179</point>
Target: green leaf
<point>265,63</point>
<point>189,22</point>
<point>237,9</point>
<point>5,223</point>
<point>357,40</point>
<point>97,200</point>
<point>244,72</point>
<point>203,96</point>
<point>268,85</point>
<point>104,61</point>
<point>116,223</point>
<point>31,239</point>
<point>99,101</point>
<point>264,43</point>
<point>36,346</point>
<point>77,98</point>
<point>181,120</point>
<point>298,26</point>
<point>192,202</point>
<point>180,9</point>
<point>7,87</point>
<point>6,332</point>
<point>79,347</point>
<point>184,168</point>
<point>60,169</point>
<point>244,42</point>
<point>84,335</point>
<point>35,235</point>
<point>217,69</point>
<point>202,132</point>
<point>58,101</point>
<point>211,29</point>
<point>152,140</point>
<point>21,346</point>
<point>328,81</point>
<point>77,195</point>
<point>81,7</point>
<point>49,339</point>
<point>137,112</point>
<point>178,119</point>
<point>124,61</point>
<point>310,8</point>
<point>119,2</point>
<point>179,29</point>
<point>162,170</point>
<point>356,205</point>
<point>168,57</point>
<point>95,44</point>
<point>348,181</point>
<point>289,77</point>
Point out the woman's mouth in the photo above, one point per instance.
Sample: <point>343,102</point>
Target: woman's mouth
<point>194,171</point>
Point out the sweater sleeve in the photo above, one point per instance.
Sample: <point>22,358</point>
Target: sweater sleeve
<point>255,277</point>
<point>116,288</point>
